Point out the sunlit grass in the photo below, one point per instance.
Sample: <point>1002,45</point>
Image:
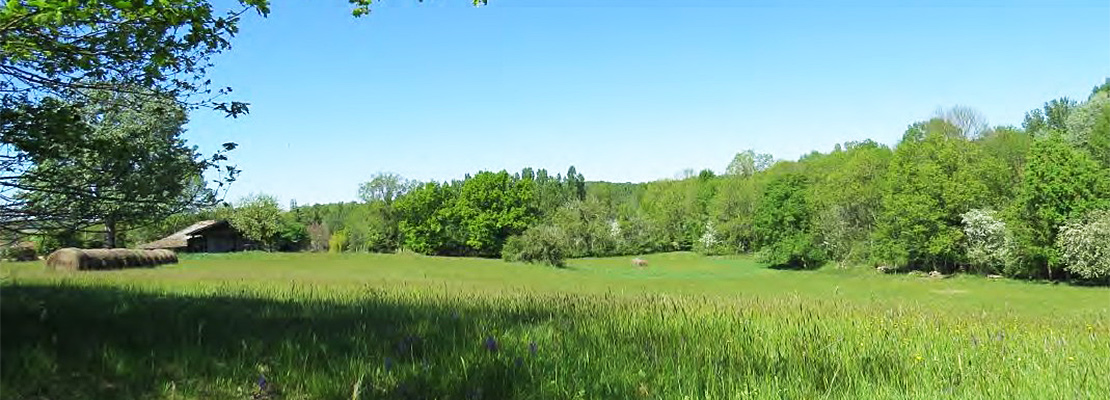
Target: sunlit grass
<point>404,326</point>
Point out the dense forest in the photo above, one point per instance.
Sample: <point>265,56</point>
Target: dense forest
<point>954,195</point>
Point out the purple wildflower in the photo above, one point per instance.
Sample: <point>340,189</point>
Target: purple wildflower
<point>519,362</point>
<point>532,348</point>
<point>262,383</point>
<point>388,364</point>
<point>491,344</point>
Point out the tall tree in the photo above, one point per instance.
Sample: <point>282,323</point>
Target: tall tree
<point>576,185</point>
<point>427,222</point>
<point>586,228</point>
<point>1060,183</point>
<point>733,210</point>
<point>384,187</point>
<point>846,189</point>
<point>1088,126</point>
<point>1050,118</point>
<point>259,218</point>
<point>747,163</point>
<point>672,208</point>
<point>379,231</point>
<point>933,178</point>
<point>492,207</point>
<point>53,52</point>
<point>134,168</point>
<point>782,224</point>
<point>971,123</point>
<point>56,56</point>
<point>1007,149</point>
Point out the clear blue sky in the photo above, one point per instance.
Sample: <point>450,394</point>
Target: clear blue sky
<point>623,90</point>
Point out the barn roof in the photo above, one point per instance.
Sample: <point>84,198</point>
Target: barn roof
<point>180,239</point>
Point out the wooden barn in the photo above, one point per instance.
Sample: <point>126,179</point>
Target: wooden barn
<point>212,236</point>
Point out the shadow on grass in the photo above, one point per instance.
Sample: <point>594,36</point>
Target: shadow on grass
<point>795,267</point>
<point>67,342</point>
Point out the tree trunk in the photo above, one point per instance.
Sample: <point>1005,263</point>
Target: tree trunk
<point>110,234</point>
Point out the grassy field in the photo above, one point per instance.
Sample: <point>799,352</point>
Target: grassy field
<point>317,326</point>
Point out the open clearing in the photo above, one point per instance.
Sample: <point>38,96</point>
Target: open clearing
<point>404,326</point>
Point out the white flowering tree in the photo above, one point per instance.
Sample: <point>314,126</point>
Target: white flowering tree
<point>1084,245</point>
<point>709,243</point>
<point>989,242</point>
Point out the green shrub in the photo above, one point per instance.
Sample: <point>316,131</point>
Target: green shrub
<point>291,235</point>
<point>544,244</point>
<point>795,251</point>
<point>338,242</point>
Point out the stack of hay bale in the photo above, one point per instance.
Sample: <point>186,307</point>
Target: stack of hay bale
<point>85,259</point>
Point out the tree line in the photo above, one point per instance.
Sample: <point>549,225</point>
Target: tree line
<point>954,195</point>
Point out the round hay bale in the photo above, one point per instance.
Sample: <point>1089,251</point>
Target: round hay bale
<point>141,257</point>
<point>639,262</point>
<point>144,258</point>
<point>126,258</point>
<point>104,259</point>
<point>67,259</point>
<point>160,255</point>
<point>157,256</point>
<point>169,255</point>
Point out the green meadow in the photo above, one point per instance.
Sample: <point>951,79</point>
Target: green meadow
<point>366,326</point>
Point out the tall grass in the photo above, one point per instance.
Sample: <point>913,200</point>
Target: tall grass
<point>362,326</point>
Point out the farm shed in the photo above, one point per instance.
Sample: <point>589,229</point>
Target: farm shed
<point>212,236</point>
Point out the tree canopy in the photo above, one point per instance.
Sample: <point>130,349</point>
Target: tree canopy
<point>135,168</point>
<point>64,64</point>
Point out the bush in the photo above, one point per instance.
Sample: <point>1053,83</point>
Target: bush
<point>291,235</point>
<point>795,251</point>
<point>338,242</point>
<point>1084,245</point>
<point>544,244</point>
<point>990,246</point>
